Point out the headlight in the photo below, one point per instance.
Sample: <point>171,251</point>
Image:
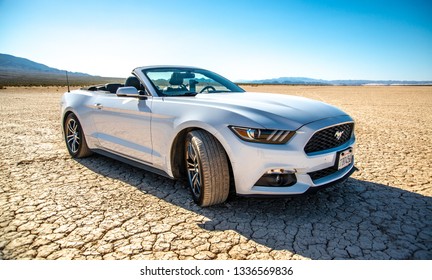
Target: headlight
<point>269,136</point>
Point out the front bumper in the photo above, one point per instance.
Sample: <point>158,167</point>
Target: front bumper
<point>251,160</point>
<point>310,190</point>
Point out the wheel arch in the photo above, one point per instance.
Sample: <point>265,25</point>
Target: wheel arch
<point>82,149</point>
<point>71,110</point>
<point>65,115</point>
<point>177,154</point>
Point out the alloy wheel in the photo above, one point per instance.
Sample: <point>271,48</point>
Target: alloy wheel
<point>73,135</point>
<point>193,169</point>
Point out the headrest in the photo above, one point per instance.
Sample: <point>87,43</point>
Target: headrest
<point>133,81</point>
<point>176,79</point>
<point>112,87</point>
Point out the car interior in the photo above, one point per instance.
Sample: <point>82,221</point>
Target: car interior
<point>131,81</point>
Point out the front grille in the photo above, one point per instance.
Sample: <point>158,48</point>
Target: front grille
<point>325,172</point>
<point>327,138</point>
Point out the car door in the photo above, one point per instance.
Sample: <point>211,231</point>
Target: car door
<point>123,126</point>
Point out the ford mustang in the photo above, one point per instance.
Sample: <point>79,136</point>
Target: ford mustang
<point>187,122</point>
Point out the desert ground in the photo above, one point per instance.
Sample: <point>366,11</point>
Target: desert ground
<point>56,207</point>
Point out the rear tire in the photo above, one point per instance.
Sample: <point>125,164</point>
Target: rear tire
<point>206,168</point>
<point>74,137</point>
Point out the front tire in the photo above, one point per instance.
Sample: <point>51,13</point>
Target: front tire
<point>74,137</point>
<point>206,168</point>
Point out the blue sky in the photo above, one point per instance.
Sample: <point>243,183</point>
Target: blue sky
<point>327,39</point>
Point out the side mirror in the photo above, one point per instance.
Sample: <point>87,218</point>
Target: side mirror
<point>130,92</point>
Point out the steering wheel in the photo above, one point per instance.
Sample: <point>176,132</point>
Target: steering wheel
<point>207,88</point>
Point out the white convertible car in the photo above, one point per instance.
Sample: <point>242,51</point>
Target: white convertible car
<point>187,122</point>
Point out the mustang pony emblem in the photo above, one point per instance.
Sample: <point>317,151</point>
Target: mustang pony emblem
<point>338,134</point>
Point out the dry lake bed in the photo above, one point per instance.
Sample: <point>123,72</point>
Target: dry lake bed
<point>55,207</point>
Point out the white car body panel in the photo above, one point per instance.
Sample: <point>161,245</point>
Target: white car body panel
<point>123,126</point>
<point>143,130</point>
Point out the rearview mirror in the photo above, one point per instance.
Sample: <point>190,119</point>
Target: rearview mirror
<point>129,92</point>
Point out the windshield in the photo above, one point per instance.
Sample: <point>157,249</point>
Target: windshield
<point>188,82</point>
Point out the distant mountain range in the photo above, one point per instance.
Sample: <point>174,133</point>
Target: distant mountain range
<point>309,81</point>
<point>18,71</point>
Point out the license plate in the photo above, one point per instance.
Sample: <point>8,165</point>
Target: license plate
<point>345,158</point>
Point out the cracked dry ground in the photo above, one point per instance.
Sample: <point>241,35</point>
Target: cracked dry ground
<point>55,207</point>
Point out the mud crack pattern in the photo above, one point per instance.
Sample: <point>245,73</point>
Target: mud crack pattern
<point>55,207</point>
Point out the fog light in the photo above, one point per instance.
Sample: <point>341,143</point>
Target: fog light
<point>277,178</point>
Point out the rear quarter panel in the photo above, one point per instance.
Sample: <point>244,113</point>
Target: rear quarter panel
<point>79,102</point>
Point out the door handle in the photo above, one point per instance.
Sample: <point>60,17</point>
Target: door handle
<point>98,106</point>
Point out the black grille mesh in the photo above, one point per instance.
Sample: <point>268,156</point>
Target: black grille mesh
<point>325,172</point>
<point>322,173</point>
<point>326,138</point>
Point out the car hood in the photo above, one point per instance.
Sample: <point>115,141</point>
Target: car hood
<point>272,110</point>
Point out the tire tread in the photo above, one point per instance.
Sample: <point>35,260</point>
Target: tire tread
<point>214,165</point>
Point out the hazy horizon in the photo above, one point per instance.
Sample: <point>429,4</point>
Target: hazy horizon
<point>242,40</point>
